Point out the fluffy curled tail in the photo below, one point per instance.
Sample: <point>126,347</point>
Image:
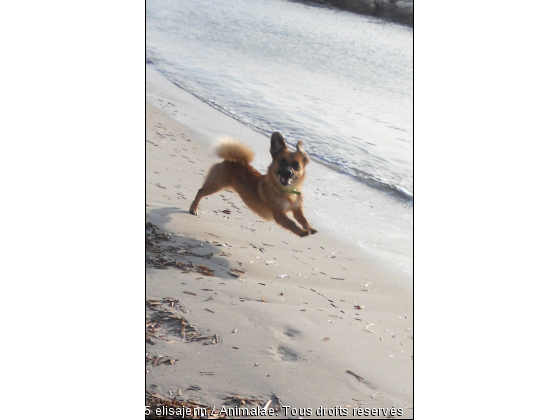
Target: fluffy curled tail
<point>232,150</point>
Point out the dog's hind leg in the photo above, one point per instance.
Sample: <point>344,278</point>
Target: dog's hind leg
<point>194,206</point>
<point>214,183</point>
<point>205,191</point>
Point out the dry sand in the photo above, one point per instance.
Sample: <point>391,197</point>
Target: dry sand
<point>310,322</point>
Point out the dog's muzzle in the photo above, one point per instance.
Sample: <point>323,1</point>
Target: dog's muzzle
<point>286,176</point>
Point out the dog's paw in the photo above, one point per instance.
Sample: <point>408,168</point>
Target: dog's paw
<point>312,231</point>
<point>193,212</point>
<point>304,233</point>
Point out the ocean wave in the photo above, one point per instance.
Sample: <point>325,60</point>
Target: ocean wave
<point>396,191</point>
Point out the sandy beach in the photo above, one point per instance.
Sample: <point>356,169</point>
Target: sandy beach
<point>241,312</point>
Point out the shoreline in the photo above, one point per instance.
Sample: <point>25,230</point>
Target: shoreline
<point>301,322</point>
<point>396,11</point>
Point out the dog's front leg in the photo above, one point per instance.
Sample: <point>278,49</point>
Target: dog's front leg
<point>300,217</point>
<point>289,224</point>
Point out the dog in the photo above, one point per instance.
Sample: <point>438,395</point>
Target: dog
<point>273,195</point>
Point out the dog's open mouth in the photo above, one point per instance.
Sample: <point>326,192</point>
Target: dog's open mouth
<point>285,177</point>
<point>285,180</point>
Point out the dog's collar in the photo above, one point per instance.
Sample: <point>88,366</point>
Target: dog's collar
<point>294,191</point>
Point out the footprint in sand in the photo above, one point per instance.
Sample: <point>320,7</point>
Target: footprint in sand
<point>291,332</point>
<point>287,354</point>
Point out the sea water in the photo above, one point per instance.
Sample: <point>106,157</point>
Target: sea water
<point>339,81</point>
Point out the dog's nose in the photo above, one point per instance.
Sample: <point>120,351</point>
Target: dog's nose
<point>289,172</point>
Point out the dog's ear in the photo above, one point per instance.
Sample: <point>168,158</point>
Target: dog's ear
<point>277,144</point>
<point>302,152</point>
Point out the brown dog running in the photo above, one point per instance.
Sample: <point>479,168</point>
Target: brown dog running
<point>271,196</point>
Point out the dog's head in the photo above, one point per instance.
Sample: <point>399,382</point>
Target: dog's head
<point>287,167</point>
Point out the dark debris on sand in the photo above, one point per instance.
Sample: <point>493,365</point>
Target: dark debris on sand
<point>177,409</point>
<point>165,256</point>
<point>163,321</point>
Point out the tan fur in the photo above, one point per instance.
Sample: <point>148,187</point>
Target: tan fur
<point>229,149</point>
<point>264,194</point>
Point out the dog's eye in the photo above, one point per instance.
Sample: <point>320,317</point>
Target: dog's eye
<point>296,166</point>
<point>283,162</point>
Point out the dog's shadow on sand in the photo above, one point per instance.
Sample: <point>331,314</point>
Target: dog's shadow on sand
<point>181,246</point>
